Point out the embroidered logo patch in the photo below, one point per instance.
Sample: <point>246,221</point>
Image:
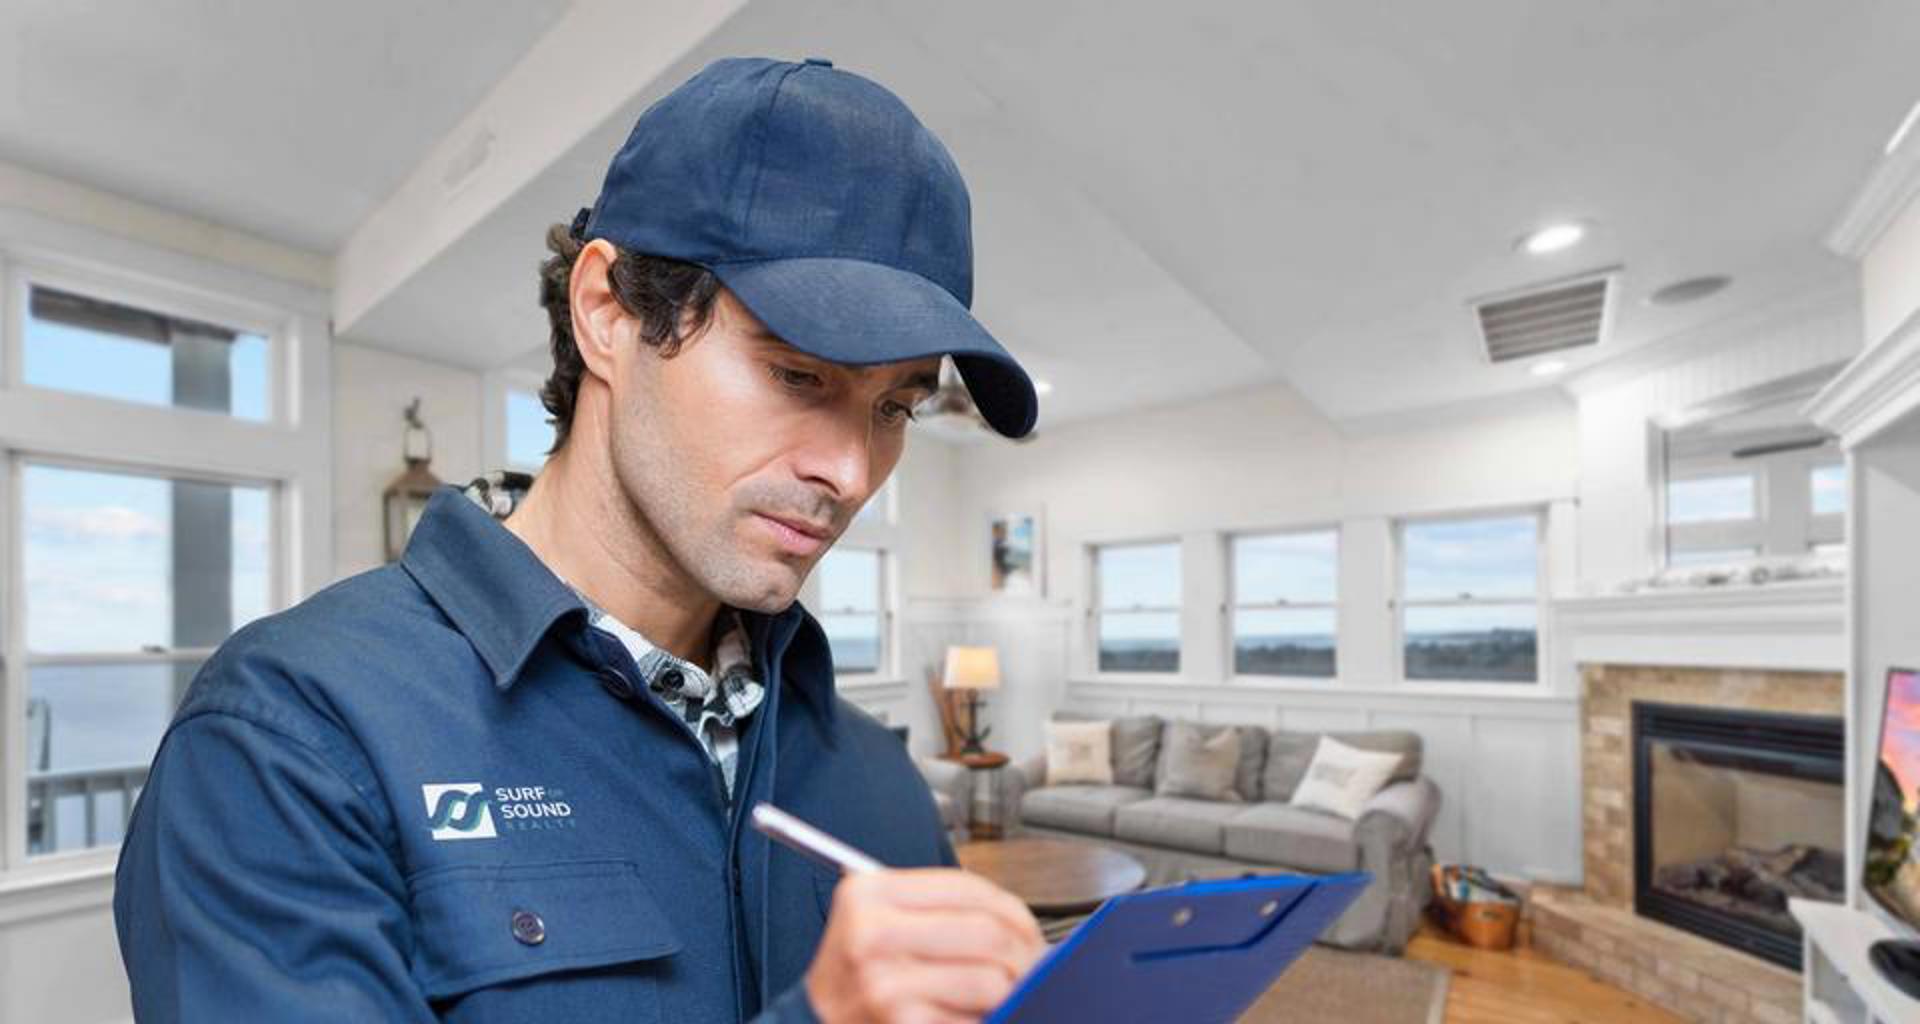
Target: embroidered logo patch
<point>458,810</point>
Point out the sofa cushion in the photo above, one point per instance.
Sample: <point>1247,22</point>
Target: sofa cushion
<point>1289,752</point>
<point>1178,822</point>
<point>1199,761</point>
<point>1087,809</point>
<point>1293,837</point>
<point>1135,744</point>
<point>1253,761</point>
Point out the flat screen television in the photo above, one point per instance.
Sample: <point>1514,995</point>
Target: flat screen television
<point>1891,865</point>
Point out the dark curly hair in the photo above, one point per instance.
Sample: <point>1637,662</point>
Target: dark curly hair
<point>672,299</point>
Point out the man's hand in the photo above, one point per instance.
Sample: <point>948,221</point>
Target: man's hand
<point>920,946</point>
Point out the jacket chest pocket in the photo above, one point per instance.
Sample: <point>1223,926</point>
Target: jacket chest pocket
<point>569,940</point>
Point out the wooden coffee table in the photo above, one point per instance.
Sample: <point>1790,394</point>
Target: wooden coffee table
<point>1056,877</point>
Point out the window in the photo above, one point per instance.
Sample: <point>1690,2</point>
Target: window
<point>93,347</point>
<point>529,435</point>
<point>853,608</point>
<point>1712,499</point>
<point>1285,595</point>
<point>1469,597</point>
<point>1137,607</point>
<point>129,582</point>
<point>1829,489</point>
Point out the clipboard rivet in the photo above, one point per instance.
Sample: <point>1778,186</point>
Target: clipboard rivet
<point>1267,908</point>
<point>1182,916</point>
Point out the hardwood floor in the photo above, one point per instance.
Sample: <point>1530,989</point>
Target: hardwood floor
<point>1523,986</point>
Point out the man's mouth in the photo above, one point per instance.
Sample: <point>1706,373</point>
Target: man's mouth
<point>795,536</point>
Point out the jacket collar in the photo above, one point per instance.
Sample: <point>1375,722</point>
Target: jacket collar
<point>504,600</point>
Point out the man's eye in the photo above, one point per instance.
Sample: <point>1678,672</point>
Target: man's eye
<point>794,378</point>
<point>898,413</point>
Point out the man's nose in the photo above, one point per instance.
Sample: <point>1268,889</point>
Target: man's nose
<point>837,451</point>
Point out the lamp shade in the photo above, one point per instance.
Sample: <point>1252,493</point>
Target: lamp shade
<point>972,668</point>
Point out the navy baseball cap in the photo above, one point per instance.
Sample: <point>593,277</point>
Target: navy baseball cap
<point>825,207</point>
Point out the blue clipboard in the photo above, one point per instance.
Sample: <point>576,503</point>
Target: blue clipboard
<point>1197,953</point>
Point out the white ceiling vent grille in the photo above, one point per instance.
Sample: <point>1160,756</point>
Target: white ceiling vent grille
<point>1550,318</point>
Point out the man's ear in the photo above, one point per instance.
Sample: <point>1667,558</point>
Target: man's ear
<point>597,315</point>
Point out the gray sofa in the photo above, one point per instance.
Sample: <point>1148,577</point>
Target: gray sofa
<point>952,786</point>
<point>1181,838</point>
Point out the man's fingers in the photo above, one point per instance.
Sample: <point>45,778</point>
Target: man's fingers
<point>950,889</point>
<point>947,935</point>
<point>965,990</point>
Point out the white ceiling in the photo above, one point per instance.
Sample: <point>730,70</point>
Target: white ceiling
<point>287,118</point>
<point>1168,204</point>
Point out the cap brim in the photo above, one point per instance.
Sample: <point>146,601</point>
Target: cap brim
<point>861,313</point>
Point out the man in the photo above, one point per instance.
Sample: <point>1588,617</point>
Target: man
<point>507,778</point>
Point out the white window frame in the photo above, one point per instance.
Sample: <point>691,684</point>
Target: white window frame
<point>1095,607</point>
<point>1233,606</point>
<point>882,533</point>
<point>1542,662</point>
<point>883,664</point>
<point>290,452</point>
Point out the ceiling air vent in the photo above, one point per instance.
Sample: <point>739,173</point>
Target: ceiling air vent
<point>1554,317</point>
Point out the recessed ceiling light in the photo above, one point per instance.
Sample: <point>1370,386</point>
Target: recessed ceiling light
<point>1906,125</point>
<point>1552,238</point>
<point>1692,289</point>
<point>1549,367</point>
<point>1041,387</point>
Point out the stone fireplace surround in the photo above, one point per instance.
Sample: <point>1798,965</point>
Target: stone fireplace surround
<point>1595,927</point>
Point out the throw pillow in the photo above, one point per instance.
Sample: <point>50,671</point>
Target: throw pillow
<point>1198,761</point>
<point>1290,751</point>
<point>1136,746</point>
<point>1079,752</point>
<point>1342,779</point>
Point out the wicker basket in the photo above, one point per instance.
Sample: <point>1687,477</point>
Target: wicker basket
<point>1483,924</point>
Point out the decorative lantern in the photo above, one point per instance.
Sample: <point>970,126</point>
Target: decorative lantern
<point>407,495</point>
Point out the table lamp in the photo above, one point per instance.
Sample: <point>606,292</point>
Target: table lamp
<point>972,669</point>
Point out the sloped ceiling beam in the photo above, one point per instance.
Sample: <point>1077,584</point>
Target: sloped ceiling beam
<point>592,62</point>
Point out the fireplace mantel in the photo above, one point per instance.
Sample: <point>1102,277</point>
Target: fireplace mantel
<point>1797,625</point>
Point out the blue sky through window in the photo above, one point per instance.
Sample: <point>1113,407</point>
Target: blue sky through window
<point>62,357</point>
<point>529,435</point>
<point>1486,558</point>
<point>97,559</point>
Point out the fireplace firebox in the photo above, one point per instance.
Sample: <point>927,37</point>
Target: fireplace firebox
<point>1735,812</point>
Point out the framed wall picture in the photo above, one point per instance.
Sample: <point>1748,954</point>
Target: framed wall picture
<point>1017,554</point>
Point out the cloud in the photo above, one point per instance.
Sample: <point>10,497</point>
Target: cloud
<point>100,523</point>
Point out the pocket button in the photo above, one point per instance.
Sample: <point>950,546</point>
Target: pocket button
<point>528,928</point>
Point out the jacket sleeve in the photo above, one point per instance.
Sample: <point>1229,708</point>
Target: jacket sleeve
<point>254,884</point>
<point>790,1007</point>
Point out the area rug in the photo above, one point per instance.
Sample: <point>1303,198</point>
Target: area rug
<point>1331,986</point>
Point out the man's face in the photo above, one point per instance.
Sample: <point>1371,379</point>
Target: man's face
<point>749,457</point>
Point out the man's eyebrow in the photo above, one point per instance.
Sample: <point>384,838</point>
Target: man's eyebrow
<point>928,379</point>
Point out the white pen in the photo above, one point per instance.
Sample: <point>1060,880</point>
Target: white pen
<point>810,841</point>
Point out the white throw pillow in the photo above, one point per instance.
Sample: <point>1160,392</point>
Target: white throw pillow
<point>1341,778</point>
<point>1080,752</point>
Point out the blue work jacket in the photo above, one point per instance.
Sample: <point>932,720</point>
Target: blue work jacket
<point>432,791</point>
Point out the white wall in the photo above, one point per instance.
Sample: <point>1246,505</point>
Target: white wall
<point>1890,276</point>
<point>371,390</point>
<point>1263,457</point>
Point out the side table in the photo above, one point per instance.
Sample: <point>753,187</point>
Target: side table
<point>994,763</point>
